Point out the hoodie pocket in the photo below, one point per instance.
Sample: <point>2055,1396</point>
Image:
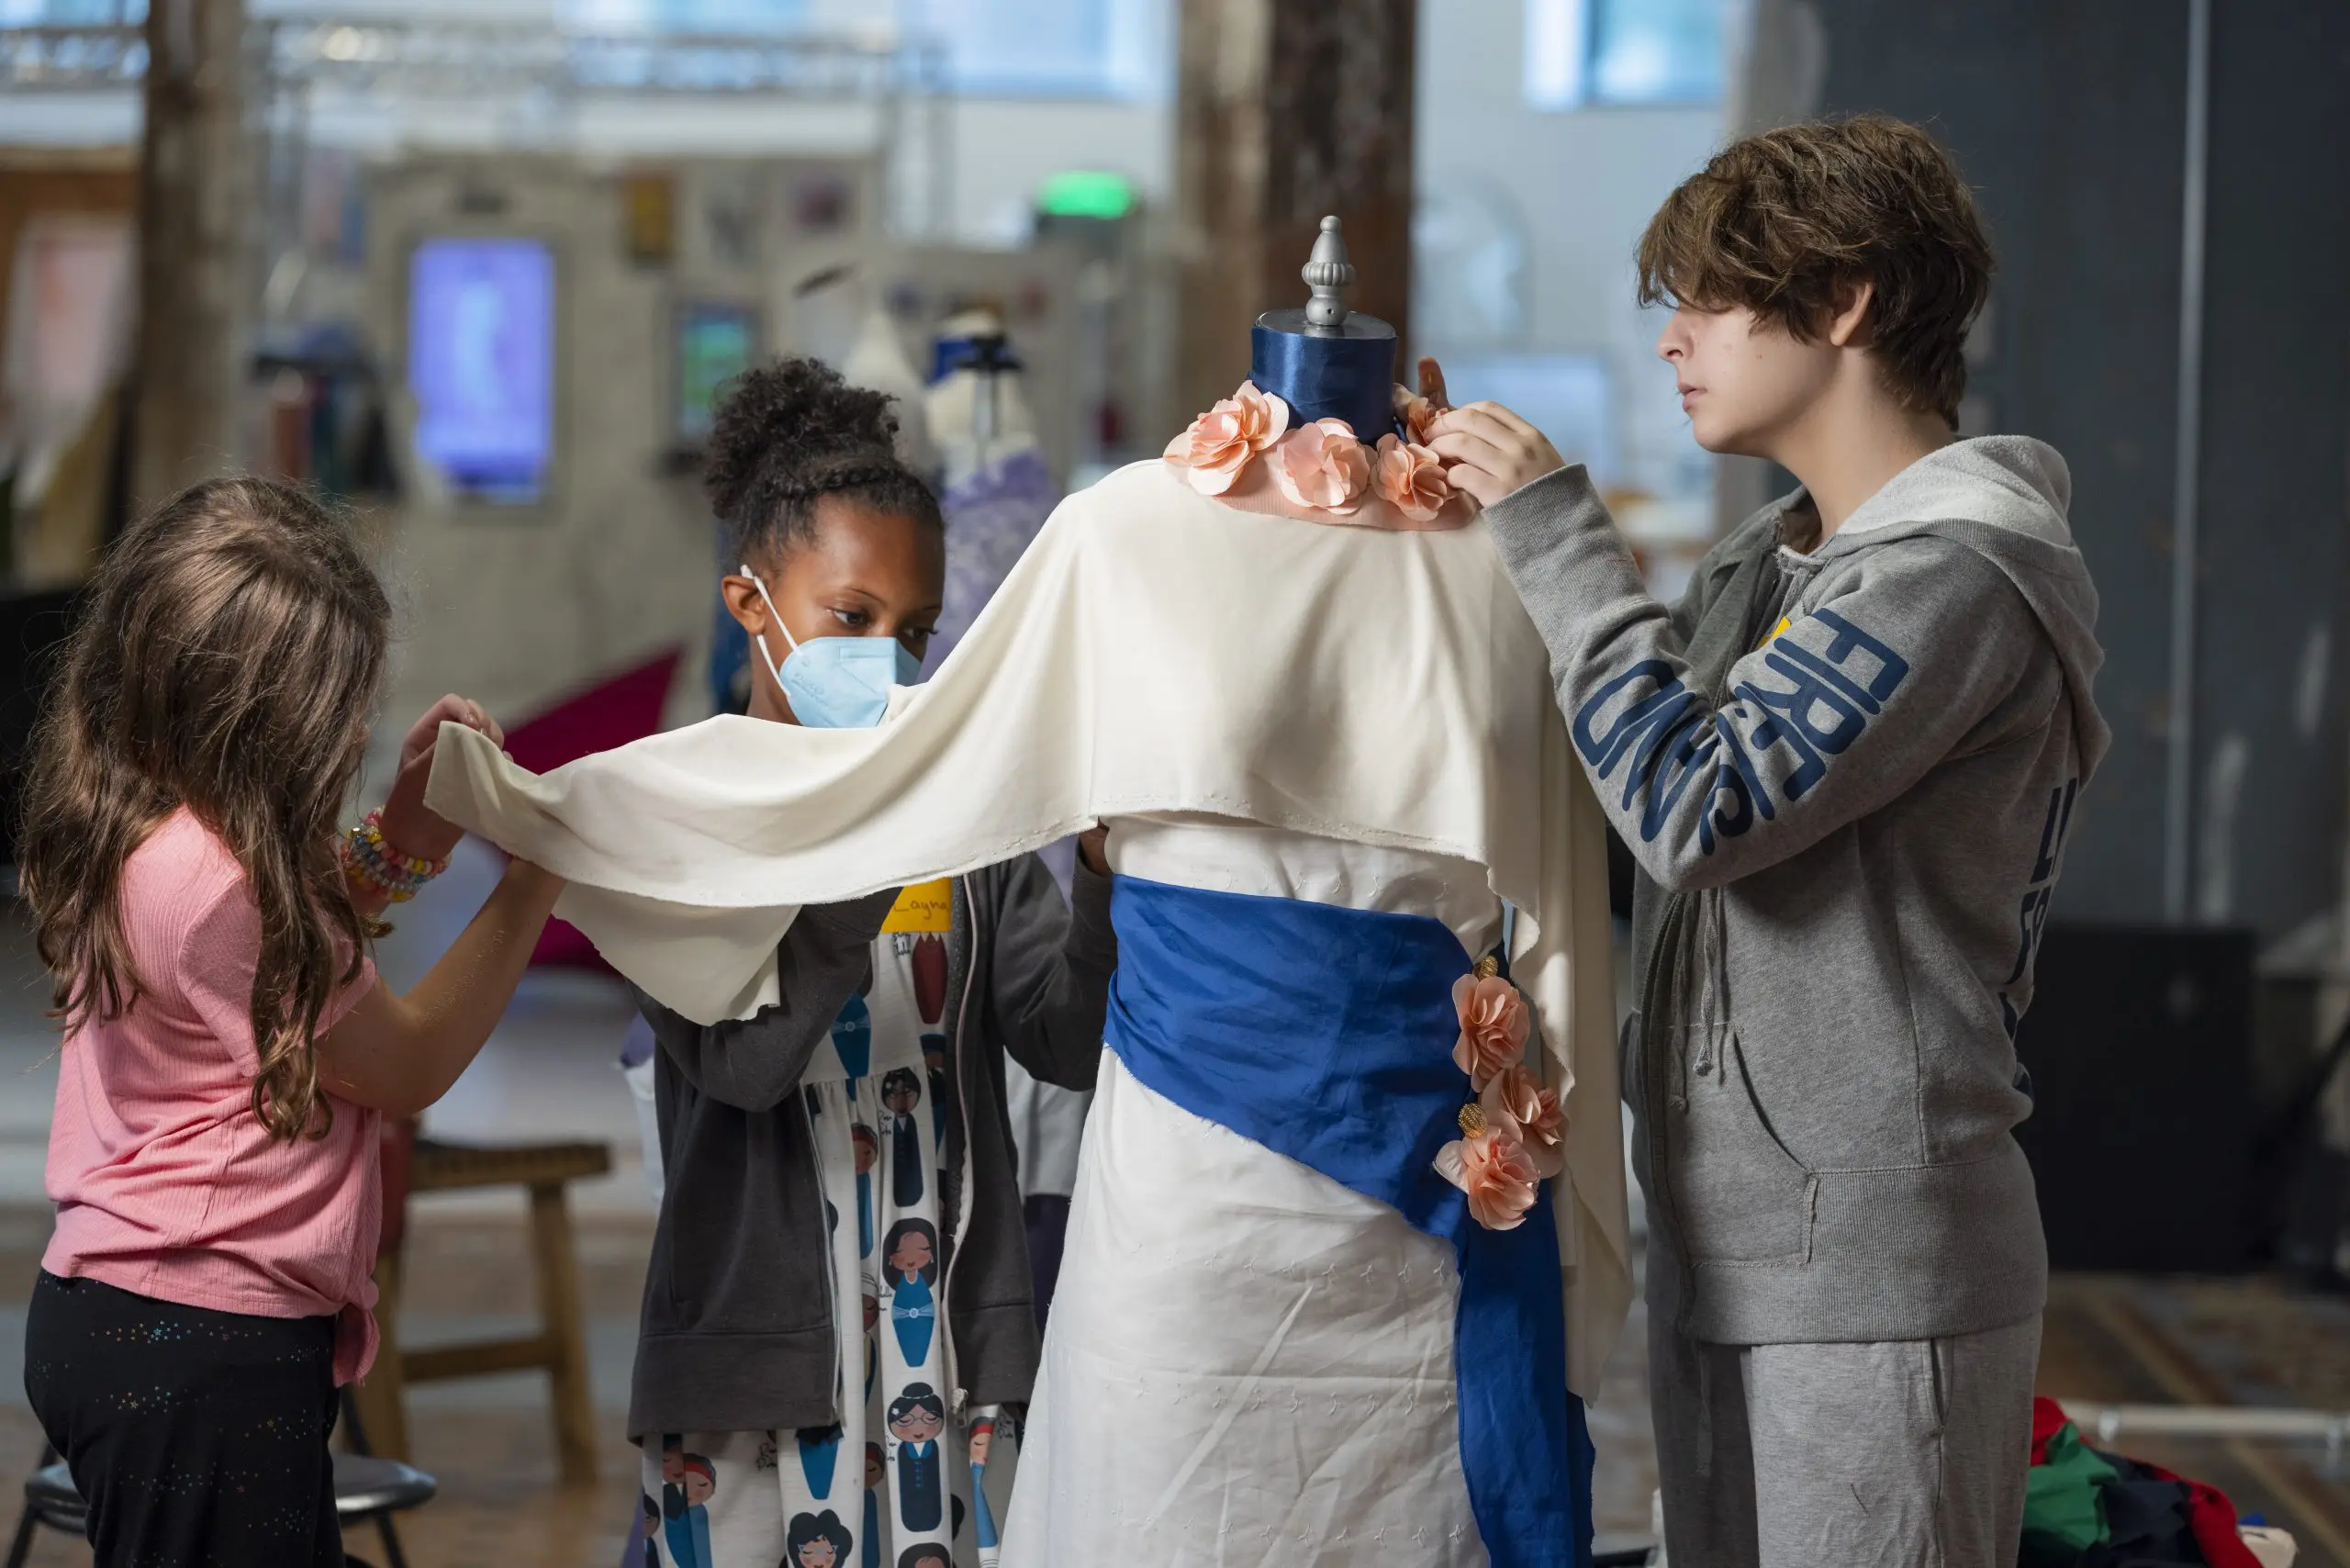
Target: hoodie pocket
<point>1740,1196</point>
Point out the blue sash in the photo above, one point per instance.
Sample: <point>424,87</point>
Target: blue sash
<point>1325,1035</point>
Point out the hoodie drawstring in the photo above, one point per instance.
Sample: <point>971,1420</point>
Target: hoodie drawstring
<point>1716,1048</point>
<point>1711,974</point>
<point>1705,1357</point>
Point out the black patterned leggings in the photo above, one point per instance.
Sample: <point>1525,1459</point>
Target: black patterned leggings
<point>197,1438</point>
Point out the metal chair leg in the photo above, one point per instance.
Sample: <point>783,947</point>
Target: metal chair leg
<point>354,1430</point>
<point>393,1556</point>
<point>21,1546</point>
<point>354,1433</point>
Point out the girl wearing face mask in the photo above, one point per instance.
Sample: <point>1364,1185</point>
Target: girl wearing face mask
<point>755,1349</point>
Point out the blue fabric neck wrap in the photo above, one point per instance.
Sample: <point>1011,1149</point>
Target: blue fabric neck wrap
<point>1348,378</point>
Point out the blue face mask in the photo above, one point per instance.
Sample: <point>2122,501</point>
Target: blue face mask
<point>836,683</point>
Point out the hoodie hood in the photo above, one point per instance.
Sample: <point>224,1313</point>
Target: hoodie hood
<point>2005,497</point>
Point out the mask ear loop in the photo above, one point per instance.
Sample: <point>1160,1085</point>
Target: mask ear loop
<point>776,616</point>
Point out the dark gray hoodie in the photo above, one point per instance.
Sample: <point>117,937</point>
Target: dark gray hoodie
<point>737,1328</point>
<point>1846,776</point>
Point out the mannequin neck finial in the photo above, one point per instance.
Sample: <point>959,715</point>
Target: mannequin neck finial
<point>1328,276</point>
<point>1327,361</point>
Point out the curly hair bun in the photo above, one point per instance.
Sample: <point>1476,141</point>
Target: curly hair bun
<point>783,423</point>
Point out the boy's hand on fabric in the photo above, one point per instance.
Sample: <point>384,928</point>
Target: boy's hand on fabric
<point>1093,848</point>
<point>1490,451</point>
<point>408,827</point>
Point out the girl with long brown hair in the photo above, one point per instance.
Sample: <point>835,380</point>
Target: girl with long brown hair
<point>228,1055</point>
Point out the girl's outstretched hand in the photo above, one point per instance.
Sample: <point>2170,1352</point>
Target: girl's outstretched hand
<point>408,827</point>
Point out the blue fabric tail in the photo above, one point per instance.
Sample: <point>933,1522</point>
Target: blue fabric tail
<point>1325,1035</point>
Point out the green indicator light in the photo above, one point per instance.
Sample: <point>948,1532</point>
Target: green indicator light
<point>1081,193</point>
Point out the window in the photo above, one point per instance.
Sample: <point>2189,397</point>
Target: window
<point>1104,49</point>
<point>1107,48</point>
<point>713,17</point>
<point>1619,52</point>
<point>70,13</point>
<point>1566,396</point>
<point>1082,49</point>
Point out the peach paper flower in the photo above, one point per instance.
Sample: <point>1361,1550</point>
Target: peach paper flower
<point>1321,465</point>
<point>1224,440</point>
<point>1493,1026</point>
<point>1493,1169</point>
<point>1517,1100</point>
<point>1419,417</point>
<point>1410,478</point>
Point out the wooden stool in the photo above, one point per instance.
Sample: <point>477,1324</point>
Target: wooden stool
<point>560,1345</point>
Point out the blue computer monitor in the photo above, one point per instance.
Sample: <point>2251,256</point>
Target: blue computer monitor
<point>481,363</point>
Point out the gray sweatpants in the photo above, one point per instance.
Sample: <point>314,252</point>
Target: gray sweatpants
<point>1904,1454</point>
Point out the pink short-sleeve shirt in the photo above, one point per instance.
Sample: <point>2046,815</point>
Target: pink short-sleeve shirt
<point>166,1183</point>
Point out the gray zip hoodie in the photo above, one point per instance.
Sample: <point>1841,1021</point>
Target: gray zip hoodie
<point>1846,776</point>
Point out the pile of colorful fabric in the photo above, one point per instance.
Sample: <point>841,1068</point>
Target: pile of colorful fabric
<point>2087,1509</point>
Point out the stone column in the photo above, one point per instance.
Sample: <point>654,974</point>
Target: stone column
<point>1287,110</point>
<point>198,213</point>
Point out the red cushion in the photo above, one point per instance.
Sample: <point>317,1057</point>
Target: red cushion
<point>626,707</point>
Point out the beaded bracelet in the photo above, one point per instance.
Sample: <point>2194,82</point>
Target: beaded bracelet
<point>379,868</point>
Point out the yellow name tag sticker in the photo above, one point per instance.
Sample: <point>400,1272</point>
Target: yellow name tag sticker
<point>1774,636</point>
<point>923,909</point>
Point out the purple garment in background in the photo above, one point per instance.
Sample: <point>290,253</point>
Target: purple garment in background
<point>637,1045</point>
<point>991,517</point>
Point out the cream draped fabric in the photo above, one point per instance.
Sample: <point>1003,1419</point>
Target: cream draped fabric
<point>1154,652</point>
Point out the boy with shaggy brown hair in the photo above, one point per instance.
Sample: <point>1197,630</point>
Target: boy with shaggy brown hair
<point>1845,763</point>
